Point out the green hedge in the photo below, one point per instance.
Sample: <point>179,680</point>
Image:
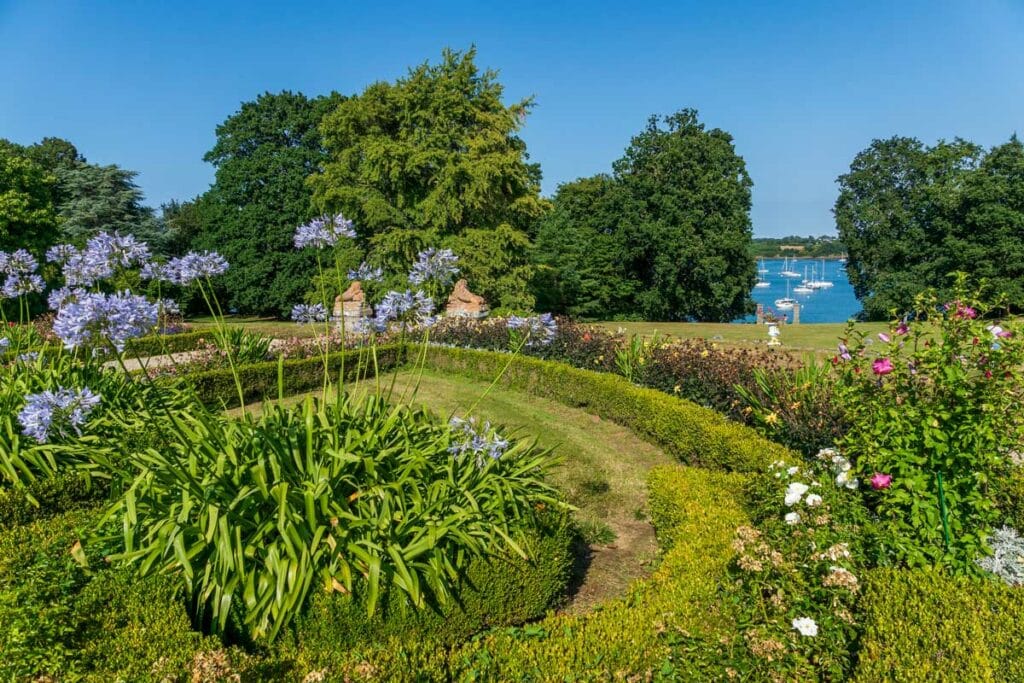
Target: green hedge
<point>62,493</point>
<point>260,380</point>
<point>695,435</point>
<point>622,640</point>
<point>156,345</point>
<point>928,626</point>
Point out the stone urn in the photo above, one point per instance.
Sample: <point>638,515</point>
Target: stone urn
<point>465,304</point>
<point>351,304</point>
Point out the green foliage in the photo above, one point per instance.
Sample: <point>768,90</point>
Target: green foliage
<point>27,216</point>
<point>667,238</point>
<point>928,626</point>
<point>44,497</point>
<point>937,399</point>
<point>242,346</point>
<point>353,496</point>
<point>96,198</point>
<point>911,214</point>
<point>263,155</point>
<point>434,158</point>
<point>813,247</point>
<point>695,435</point>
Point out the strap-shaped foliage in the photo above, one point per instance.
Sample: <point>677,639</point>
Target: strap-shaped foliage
<point>352,496</point>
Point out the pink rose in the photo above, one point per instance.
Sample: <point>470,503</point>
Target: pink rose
<point>882,366</point>
<point>881,481</point>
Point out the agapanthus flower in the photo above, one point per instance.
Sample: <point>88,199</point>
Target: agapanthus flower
<point>18,262</point>
<point>86,268</point>
<point>22,284</point>
<point>169,307</point>
<point>119,250</point>
<point>434,265</point>
<point>477,440</point>
<point>99,319</point>
<point>28,357</point>
<point>197,266</point>
<point>366,273</point>
<point>806,626</point>
<point>60,253</point>
<point>309,313</point>
<point>881,481</point>
<point>52,413</point>
<point>882,366</point>
<point>540,330</point>
<point>323,231</point>
<point>154,270</point>
<point>59,298</point>
<point>411,307</point>
<point>5,344</point>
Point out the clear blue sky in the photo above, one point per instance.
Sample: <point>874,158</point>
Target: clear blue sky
<point>802,86</point>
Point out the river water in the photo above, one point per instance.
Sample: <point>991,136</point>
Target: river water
<point>836,304</point>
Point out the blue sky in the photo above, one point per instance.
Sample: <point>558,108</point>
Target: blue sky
<point>802,86</point>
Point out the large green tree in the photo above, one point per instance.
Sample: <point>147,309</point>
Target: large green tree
<point>94,198</point>
<point>433,159</point>
<point>898,208</point>
<point>666,238</point>
<point>27,215</point>
<point>263,155</point>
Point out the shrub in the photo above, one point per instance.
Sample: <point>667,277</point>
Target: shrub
<point>45,497</point>
<point>924,625</point>
<point>933,418</point>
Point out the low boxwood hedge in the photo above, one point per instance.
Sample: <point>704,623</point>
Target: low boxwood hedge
<point>928,626</point>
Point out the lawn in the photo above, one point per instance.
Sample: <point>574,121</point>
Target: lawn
<point>603,471</point>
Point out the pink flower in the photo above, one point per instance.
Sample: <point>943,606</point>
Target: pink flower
<point>882,366</point>
<point>844,352</point>
<point>884,337</point>
<point>881,481</point>
<point>902,329</point>
<point>962,311</point>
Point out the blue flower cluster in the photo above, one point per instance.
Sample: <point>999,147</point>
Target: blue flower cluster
<point>540,330</point>
<point>184,270</point>
<point>409,307</point>
<point>366,273</point>
<point>19,267</point>
<point>100,319</point>
<point>324,231</point>
<point>476,440</point>
<point>5,344</point>
<point>100,258</point>
<point>309,313</point>
<point>434,265</point>
<point>54,412</point>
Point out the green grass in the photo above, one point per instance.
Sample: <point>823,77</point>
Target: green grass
<point>803,337</point>
<point>271,327</point>
<point>603,469</point>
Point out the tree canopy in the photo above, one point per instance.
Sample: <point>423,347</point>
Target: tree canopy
<point>666,237</point>
<point>433,159</point>
<point>263,154</point>
<point>27,215</point>
<point>910,215</point>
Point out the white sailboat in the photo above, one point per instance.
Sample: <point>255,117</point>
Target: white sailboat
<point>762,284</point>
<point>787,303</point>
<point>805,286</point>
<point>761,267</point>
<point>787,269</point>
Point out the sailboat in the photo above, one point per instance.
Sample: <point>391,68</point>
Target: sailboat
<point>805,286</point>
<point>761,284</point>
<point>823,283</point>
<point>761,267</point>
<point>787,269</point>
<point>786,303</point>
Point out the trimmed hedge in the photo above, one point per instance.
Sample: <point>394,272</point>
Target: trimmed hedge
<point>65,492</point>
<point>928,626</point>
<point>260,380</point>
<point>622,639</point>
<point>159,344</point>
<point>695,435</point>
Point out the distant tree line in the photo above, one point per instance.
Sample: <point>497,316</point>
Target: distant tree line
<point>825,246</point>
<point>910,215</point>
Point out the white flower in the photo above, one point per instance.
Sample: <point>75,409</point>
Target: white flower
<point>827,453</point>
<point>792,518</point>
<point>806,626</point>
<point>794,492</point>
<point>778,464</point>
<point>840,463</point>
<point>844,479</point>
<point>792,470</point>
<point>813,500</point>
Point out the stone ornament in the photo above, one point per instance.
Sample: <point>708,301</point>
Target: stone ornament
<point>351,304</point>
<point>465,304</point>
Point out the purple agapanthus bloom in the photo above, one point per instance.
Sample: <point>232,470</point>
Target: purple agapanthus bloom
<point>51,413</point>
<point>154,270</point>
<point>434,265</point>
<point>60,253</point>
<point>540,330</point>
<point>29,357</point>
<point>408,306</point>
<point>477,440</point>
<point>366,273</point>
<point>59,298</point>
<point>197,266</point>
<point>99,319</point>
<point>323,231</point>
<point>119,250</point>
<point>309,313</point>
<point>17,263</point>
<point>21,285</point>
<point>5,344</point>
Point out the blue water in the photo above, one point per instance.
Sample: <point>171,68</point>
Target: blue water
<point>836,304</point>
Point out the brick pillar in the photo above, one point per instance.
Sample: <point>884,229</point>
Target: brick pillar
<point>760,314</point>
<point>796,314</point>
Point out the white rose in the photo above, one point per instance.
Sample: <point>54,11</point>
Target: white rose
<point>813,500</point>
<point>792,518</point>
<point>806,626</point>
<point>792,470</point>
<point>794,492</point>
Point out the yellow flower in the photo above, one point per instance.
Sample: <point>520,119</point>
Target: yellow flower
<point>771,418</point>
<point>677,388</point>
<point>704,353</point>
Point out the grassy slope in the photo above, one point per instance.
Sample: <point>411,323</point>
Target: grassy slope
<point>603,471</point>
